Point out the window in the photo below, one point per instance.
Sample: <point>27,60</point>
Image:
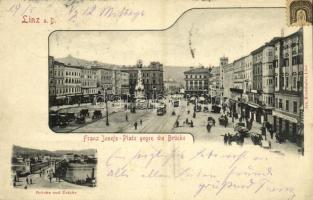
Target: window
<point>295,82</point>
<point>275,81</point>
<point>270,53</point>
<point>295,107</point>
<point>282,81</point>
<point>287,81</point>
<point>281,103</point>
<point>286,62</point>
<point>287,105</point>
<point>294,60</point>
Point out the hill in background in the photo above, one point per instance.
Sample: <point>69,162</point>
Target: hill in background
<point>170,72</point>
<point>17,150</point>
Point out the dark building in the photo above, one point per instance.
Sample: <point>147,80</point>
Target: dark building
<point>152,77</point>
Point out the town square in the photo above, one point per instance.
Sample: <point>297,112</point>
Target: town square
<point>255,97</point>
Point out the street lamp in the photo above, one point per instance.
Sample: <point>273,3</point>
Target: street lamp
<point>106,107</point>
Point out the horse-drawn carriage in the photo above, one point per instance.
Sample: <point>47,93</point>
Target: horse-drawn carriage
<point>256,138</point>
<point>84,112</point>
<point>80,119</point>
<point>236,137</point>
<point>97,114</point>
<point>216,109</point>
<point>240,127</point>
<point>223,120</point>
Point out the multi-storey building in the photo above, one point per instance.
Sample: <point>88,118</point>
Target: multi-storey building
<point>88,83</point>
<point>288,65</point>
<point>105,80</point>
<point>223,62</point>
<point>215,90</point>
<point>262,93</point>
<point>72,83</point>
<point>248,77</point>
<point>64,83</point>
<point>197,81</point>
<point>228,72</point>
<point>152,77</point>
<point>120,83</point>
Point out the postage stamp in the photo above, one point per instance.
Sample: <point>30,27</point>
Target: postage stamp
<point>299,12</point>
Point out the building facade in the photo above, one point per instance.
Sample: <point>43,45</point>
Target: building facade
<point>88,83</point>
<point>288,80</point>
<point>152,77</point>
<point>215,87</point>
<point>72,84</point>
<point>228,79</point>
<point>271,81</point>
<point>197,81</point>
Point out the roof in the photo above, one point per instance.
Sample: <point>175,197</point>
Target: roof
<point>198,70</point>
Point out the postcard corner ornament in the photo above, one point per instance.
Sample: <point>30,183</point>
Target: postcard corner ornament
<point>299,12</point>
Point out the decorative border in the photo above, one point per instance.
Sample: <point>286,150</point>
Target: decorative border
<point>299,13</point>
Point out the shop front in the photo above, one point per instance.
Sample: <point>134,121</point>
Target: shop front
<point>287,125</point>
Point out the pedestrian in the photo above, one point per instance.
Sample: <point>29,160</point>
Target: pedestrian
<point>140,122</point>
<point>225,138</point>
<point>271,133</point>
<point>135,124</point>
<point>31,180</point>
<point>187,121</point>
<point>194,115</point>
<point>188,112</point>
<point>263,131</point>
<point>191,123</point>
<point>208,127</point>
<point>229,139</point>
<point>126,117</point>
<point>27,180</point>
<point>50,178</point>
<point>177,123</point>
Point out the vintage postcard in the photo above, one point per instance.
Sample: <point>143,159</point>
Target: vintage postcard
<point>176,99</point>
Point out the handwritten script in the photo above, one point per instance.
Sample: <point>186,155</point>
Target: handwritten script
<point>32,12</point>
<point>206,171</point>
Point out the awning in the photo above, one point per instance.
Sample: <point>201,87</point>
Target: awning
<point>286,117</point>
<point>237,90</point>
<point>253,106</point>
<point>61,97</point>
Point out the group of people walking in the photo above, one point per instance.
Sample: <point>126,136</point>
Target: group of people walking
<point>136,124</point>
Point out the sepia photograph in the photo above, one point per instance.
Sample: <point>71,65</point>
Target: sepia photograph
<point>58,169</point>
<point>233,80</point>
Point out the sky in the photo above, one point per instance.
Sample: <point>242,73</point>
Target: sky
<point>210,33</point>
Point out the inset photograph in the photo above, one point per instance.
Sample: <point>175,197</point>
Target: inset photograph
<point>59,169</point>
